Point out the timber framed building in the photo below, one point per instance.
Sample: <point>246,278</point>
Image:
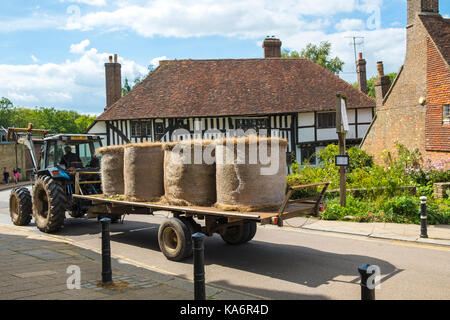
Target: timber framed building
<point>290,98</point>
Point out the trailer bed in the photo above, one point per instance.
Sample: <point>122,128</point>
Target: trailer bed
<point>289,208</point>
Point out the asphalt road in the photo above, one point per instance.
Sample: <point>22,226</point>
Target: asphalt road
<point>281,263</point>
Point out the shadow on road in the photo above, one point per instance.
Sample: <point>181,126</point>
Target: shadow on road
<point>293,263</point>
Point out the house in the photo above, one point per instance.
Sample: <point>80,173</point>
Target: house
<point>414,110</point>
<point>290,98</point>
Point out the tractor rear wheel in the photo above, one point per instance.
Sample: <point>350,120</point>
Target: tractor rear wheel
<point>20,207</point>
<point>49,204</point>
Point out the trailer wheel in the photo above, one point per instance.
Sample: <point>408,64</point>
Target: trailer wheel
<point>49,204</point>
<point>238,234</point>
<point>20,207</point>
<point>252,231</point>
<point>174,238</point>
<point>191,224</point>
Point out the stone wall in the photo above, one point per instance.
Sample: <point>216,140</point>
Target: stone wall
<point>8,159</point>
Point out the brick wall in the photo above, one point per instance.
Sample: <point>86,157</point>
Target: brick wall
<point>401,118</point>
<point>437,134</point>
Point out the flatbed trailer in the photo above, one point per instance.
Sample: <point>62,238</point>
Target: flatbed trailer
<point>174,234</point>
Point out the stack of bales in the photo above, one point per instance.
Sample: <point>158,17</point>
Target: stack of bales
<point>143,171</point>
<point>189,178</point>
<point>244,180</point>
<point>234,175</point>
<point>112,170</point>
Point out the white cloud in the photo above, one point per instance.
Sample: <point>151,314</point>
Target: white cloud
<point>77,84</point>
<point>155,61</point>
<point>248,19</point>
<point>80,47</point>
<point>387,45</point>
<point>350,24</point>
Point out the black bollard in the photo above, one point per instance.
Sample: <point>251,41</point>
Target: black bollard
<point>106,252</point>
<point>366,292</point>
<point>199,266</point>
<point>423,217</point>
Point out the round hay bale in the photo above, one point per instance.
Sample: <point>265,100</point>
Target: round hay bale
<point>111,168</point>
<point>143,171</point>
<point>189,180</point>
<point>245,180</point>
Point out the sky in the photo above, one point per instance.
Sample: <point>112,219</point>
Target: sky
<point>52,52</point>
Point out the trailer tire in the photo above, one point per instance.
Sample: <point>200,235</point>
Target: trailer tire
<point>174,238</point>
<point>49,204</point>
<point>20,206</point>
<point>238,234</point>
<point>252,231</point>
<point>191,224</point>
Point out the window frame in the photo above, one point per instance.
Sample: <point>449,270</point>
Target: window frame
<point>446,114</point>
<point>331,123</point>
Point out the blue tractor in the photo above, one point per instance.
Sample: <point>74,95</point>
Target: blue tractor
<point>68,165</point>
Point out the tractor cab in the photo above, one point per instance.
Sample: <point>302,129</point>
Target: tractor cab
<point>70,153</point>
<point>67,165</point>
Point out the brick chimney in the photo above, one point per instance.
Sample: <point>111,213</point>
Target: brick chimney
<point>113,81</point>
<point>382,84</point>
<point>362,74</point>
<point>416,7</point>
<point>272,47</point>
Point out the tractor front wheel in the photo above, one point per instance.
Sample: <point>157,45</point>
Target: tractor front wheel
<point>20,206</point>
<point>49,204</point>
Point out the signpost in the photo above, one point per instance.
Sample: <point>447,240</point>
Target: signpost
<point>341,129</point>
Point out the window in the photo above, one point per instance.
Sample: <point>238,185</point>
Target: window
<point>308,155</point>
<point>326,120</point>
<point>141,128</point>
<point>246,124</point>
<point>446,114</point>
<point>159,128</point>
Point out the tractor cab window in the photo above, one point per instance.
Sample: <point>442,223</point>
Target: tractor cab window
<point>67,155</point>
<point>51,154</point>
<point>87,155</point>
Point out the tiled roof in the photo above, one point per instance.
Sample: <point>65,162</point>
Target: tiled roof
<point>439,30</point>
<point>196,88</point>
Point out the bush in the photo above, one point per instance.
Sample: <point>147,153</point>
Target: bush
<point>380,187</point>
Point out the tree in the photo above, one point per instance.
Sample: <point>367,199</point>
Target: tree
<point>371,84</point>
<point>318,54</point>
<point>56,121</point>
<point>127,87</point>
<point>6,112</point>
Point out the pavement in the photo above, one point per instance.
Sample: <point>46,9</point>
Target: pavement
<point>437,234</point>
<point>11,185</point>
<point>41,267</point>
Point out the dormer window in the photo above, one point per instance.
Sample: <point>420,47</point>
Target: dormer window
<point>446,114</point>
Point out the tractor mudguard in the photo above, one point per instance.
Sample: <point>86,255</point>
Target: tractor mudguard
<point>55,173</point>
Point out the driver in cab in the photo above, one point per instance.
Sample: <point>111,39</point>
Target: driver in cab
<point>69,159</point>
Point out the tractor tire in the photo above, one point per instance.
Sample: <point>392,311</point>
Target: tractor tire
<point>20,207</point>
<point>174,238</point>
<point>49,204</point>
<point>238,234</point>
